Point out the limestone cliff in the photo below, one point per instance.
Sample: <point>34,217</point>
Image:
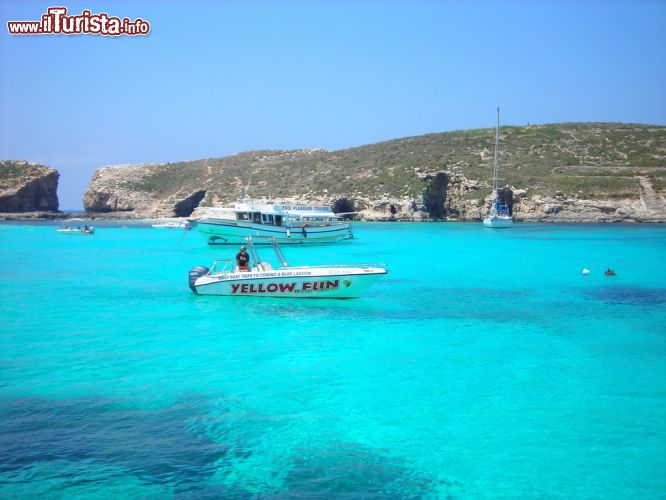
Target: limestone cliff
<point>116,188</point>
<point>588,172</point>
<point>27,187</point>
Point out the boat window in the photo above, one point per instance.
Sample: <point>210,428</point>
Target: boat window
<point>267,219</point>
<point>278,220</point>
<point>257,217</point>
<point>242,216</point>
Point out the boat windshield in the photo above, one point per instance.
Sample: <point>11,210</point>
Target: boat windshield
<point>221,266</point>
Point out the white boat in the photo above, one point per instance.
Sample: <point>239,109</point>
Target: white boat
<point>334,282</point>
<point>500,215</point>
<point>89,230</point>
<point>287,223</point>
<point>498,220</point>
<point>171,225</point>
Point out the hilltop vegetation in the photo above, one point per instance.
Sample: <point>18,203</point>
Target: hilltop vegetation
<point>592,161</point>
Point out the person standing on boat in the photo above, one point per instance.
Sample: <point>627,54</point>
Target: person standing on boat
<point>242,260</point>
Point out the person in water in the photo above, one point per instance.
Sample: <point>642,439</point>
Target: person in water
<point>242,260</point>
<point>609,272</point>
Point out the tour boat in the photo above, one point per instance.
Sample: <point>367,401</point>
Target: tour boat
<point>500,215</point>
<point>288,224</point>
<point>89,230</point>
<point>262,280</point>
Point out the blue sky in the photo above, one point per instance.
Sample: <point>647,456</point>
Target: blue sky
<point>216,78</point>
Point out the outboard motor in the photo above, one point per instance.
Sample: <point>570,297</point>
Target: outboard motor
<point>196,273</point>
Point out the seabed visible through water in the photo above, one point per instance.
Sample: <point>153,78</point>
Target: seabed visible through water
<point>484,365</point>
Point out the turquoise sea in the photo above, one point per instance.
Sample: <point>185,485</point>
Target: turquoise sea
<point>485,365</point>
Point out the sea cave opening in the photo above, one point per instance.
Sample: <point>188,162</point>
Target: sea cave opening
<point>184,208</point>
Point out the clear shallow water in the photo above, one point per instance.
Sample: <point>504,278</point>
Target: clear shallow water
<point>483,365</point>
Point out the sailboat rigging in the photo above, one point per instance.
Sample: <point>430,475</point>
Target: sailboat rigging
<point>500,215</point>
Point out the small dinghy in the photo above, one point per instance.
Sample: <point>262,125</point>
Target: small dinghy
<point>262,280</point>
<point>89,230</point>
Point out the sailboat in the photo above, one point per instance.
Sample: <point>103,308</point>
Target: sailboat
<point>499,215</point>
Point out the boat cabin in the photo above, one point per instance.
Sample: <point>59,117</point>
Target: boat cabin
<point>284,215</point>
<point>260,218</point>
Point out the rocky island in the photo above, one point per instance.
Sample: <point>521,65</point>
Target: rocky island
<point>27,188</point>
<point>579,172</point>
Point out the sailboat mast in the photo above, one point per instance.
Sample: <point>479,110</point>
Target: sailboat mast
<point>497,163</point>
<point>500,212</point>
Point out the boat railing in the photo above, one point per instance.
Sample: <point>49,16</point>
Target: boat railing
<point>228,266</point>
<point>343,266</point>
<point>316,223</point>
<point>278,253</point>
<point>222,266</point>
<point>295,225</point>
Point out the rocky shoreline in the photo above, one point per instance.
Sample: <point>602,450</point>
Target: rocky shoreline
<point>84,216</point>
<point>445,197</point>
<point>534,209</point>
<point>564,218</point>
<point>33,216</point>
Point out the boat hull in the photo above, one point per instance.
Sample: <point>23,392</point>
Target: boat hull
<point>498,222</point>
<point>301,283</point>
<point>89,232</point>
<point>170,225</point>
<point>228,232</point>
